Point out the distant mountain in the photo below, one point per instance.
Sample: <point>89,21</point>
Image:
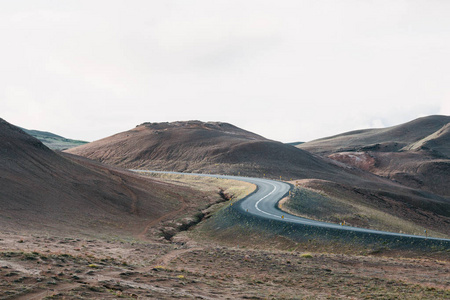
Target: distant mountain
<point>44,190</point>
<point>295,143</point>
<point>54,141</point>
<point>416,154</point>
<point>194,146</point>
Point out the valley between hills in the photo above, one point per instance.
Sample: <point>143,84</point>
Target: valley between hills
<point>78,224</point>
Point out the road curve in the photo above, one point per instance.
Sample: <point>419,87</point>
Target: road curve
<point>264,203</point>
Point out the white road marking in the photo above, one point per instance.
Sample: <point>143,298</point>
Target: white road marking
<point>304,221</point>
<point>256,204</point>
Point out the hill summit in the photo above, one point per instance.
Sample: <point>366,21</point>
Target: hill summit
<point>195,146</point>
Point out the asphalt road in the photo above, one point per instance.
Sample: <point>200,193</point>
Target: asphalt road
<point>263,203</point>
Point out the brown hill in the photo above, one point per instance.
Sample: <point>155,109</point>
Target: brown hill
<point>438,142</point>
<point>43,190</point>
<point>194,146</point>
<point>430,133</point>
<point>416,154</point>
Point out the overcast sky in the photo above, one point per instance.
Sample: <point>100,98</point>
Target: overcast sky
<point>287,70</point>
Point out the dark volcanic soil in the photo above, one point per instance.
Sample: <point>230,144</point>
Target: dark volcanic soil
<point>74,268</point>
<point>40,189</point>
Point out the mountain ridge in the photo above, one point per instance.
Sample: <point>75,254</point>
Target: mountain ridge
<point>389,139</point>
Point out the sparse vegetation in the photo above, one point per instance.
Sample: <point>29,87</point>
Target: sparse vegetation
<point>306,255</point>
<point>211,270</point>
<point>232,189</point>
<point>221,190</point>
<point>317,205</point>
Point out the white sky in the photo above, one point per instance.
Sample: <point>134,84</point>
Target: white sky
<point>288,70</point>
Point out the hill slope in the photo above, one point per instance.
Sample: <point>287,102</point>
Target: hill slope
<point>194,146</point>
<point>416,154</point>
<point>430,133</point>
<point>42,190</point>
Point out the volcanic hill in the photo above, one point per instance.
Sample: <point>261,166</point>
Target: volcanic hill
<point>195,146</point>
<point>416,154</point>
<point>43,190</point>
<point>430,133</point>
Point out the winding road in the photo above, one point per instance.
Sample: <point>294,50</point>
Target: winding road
<point>264,203</point>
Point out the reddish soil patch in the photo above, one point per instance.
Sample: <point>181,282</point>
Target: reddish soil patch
<point>415,154</point>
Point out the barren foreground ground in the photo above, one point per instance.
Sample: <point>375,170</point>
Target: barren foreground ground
<point>36,267</point>
<point>202,264</point>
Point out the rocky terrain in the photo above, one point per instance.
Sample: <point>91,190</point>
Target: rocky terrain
<point>72,267</point>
